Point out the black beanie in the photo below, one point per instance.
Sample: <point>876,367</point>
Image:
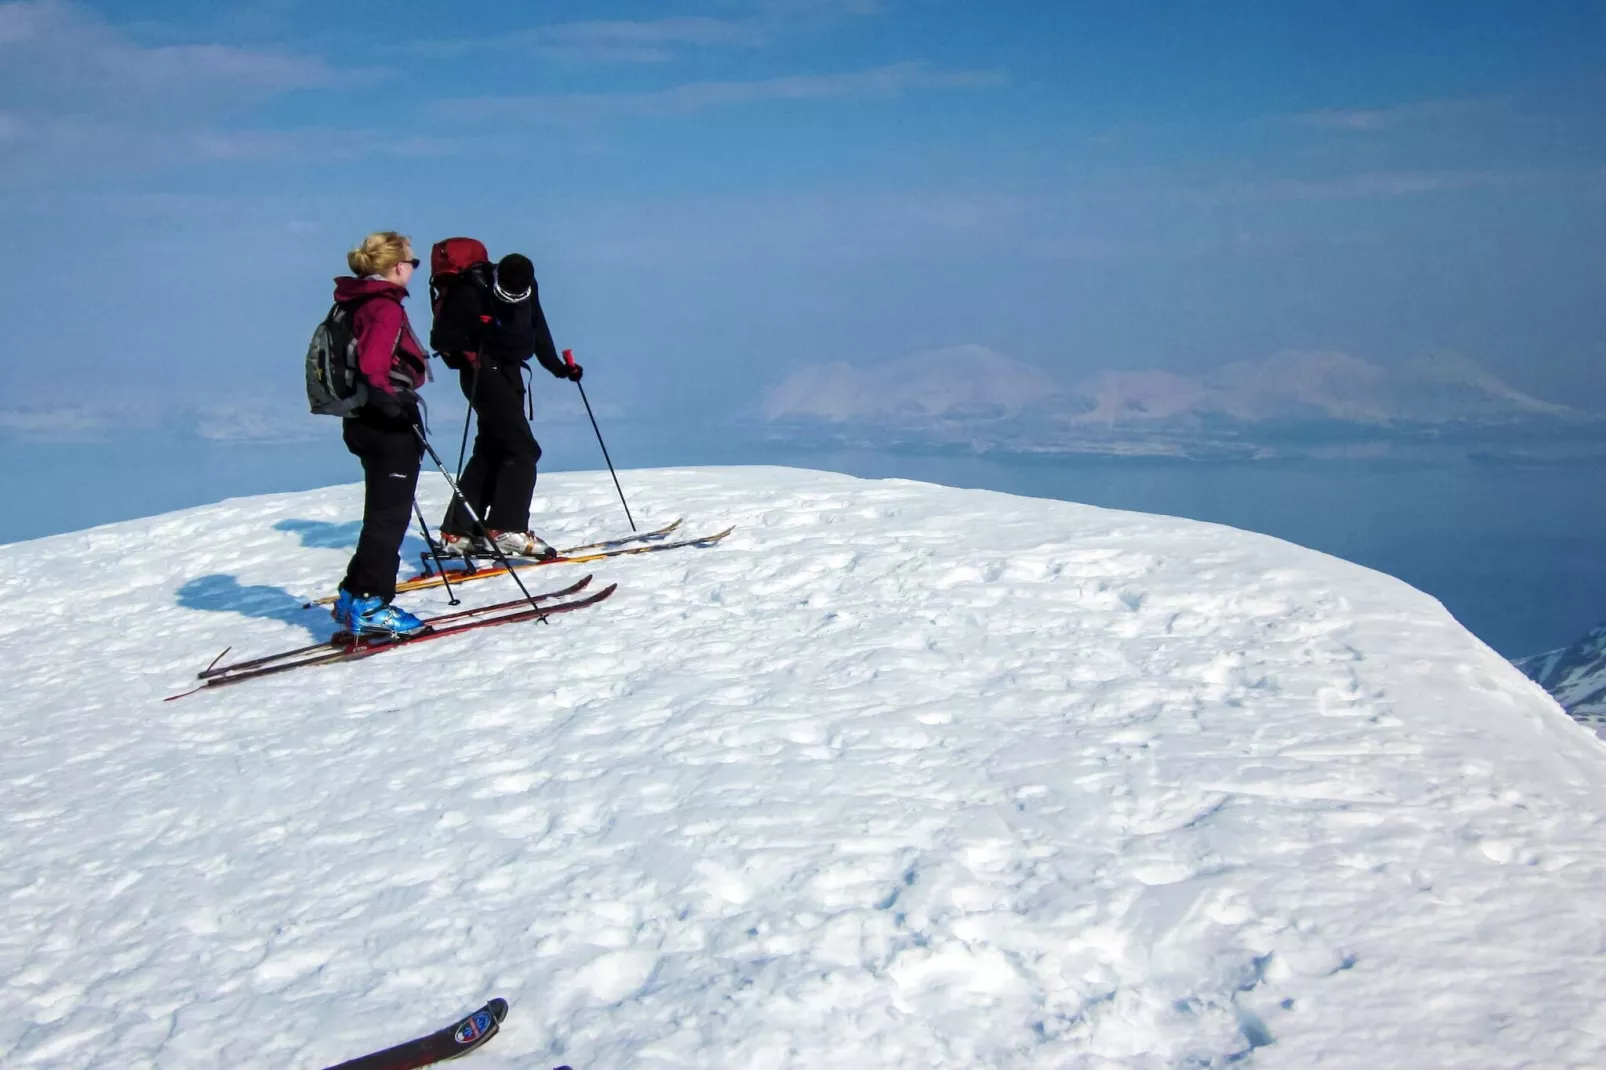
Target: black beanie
<point>515,273</point>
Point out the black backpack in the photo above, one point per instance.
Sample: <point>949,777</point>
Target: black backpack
<point>450,340</point>
<point>335,383</point>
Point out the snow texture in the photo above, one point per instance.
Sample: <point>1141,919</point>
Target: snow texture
<point>896,776</point>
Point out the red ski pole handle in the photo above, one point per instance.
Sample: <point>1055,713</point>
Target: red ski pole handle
<point>568,357</point>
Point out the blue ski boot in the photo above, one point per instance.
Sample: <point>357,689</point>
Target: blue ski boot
<point>370,615</point>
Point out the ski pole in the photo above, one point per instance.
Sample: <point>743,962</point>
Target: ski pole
<point>473,393</point>
<point>496,550</point>
<point>434,551</point>
<point>462,448</point>
<point>568,358</point>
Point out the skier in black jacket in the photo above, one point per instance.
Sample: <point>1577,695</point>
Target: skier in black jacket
<point>492,320</point>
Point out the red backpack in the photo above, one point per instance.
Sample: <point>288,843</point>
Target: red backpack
<point>448,260</point>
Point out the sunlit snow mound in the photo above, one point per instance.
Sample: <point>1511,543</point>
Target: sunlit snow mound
<point>896,776</point>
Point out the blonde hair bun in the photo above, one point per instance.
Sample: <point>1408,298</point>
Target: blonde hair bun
<point>378,253</point>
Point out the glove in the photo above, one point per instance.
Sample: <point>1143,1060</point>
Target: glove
<point>572,372</point>
<point>402,405</point>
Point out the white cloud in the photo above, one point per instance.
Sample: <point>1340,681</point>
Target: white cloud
<point>62,421</point>
<point>695,97</point>
<point>257,422</point>
<point>830,9</point>
<point>183,64</point>
<point>326,142</point>
<point>1356,186</point>
<point>642,41</point>
<point>82,95</point>
<point>23,21</point>
<point>661,40</point>
<point>63,52</point>
<point>1396,116</point>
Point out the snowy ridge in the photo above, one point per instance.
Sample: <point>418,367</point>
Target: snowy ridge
<point>1576,676</point>
<point>897,776</point>
<point>974,382</point>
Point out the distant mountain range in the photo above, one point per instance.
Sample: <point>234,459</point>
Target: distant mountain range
<point>1299,402</point>
<point>1576,676</point>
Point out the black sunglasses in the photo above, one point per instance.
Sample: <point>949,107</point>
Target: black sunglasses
<point>414,261</point>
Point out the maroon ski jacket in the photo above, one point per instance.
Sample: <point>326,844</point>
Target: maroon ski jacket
<point>386,345</point>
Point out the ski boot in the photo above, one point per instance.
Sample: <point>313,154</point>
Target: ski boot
<point>522,544</point>
<point>371,616</point>
<point>464,546</point>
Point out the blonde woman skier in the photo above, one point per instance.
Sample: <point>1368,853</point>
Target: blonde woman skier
<point>382,433</point>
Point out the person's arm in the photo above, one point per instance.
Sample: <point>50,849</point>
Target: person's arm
<point>378,326</point>
<point>545,351</point>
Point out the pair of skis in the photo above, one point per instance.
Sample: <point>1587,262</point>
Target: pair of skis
<point>457,1039</point>
<point>572,556</point>
<point>345,647</point>
<point>437,552</point>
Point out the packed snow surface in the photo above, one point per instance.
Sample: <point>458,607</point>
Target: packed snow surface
<point>895,776</point>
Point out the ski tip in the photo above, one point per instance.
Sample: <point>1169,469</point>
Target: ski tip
<point>498,1008</point>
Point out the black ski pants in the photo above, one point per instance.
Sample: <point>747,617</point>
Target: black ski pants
<point>499,479</point>
<point>390,459</point>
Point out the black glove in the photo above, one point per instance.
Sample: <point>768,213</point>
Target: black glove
<point>572,372</point>
<point>402,405</point>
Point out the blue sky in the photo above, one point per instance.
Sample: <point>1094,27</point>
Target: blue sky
<point>718,192</point>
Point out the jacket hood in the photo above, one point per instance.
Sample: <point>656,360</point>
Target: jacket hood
<point>349,288</point>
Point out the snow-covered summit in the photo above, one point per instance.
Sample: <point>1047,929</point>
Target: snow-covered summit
<point>895,776</point>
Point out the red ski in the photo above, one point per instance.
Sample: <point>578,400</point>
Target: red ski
<point>342,640</point>
<point>459,1038</point>
<point>519,610</point>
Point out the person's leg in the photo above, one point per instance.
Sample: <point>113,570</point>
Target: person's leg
<point>481,462</point>
<point>390,477</point>
<point>515,483</point>
<point>513,451</point>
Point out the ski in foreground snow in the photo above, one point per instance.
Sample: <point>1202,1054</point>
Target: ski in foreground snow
<point>459,1038</point>
<point>436,552</point>
<point>423,582</point>
<point>625,540</point>
<point>656,535</point>
<point>511,612</point>
<point>343,639</point>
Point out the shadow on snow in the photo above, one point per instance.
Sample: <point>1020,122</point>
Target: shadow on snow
<point>323,535</point>
<point>220,593</point>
